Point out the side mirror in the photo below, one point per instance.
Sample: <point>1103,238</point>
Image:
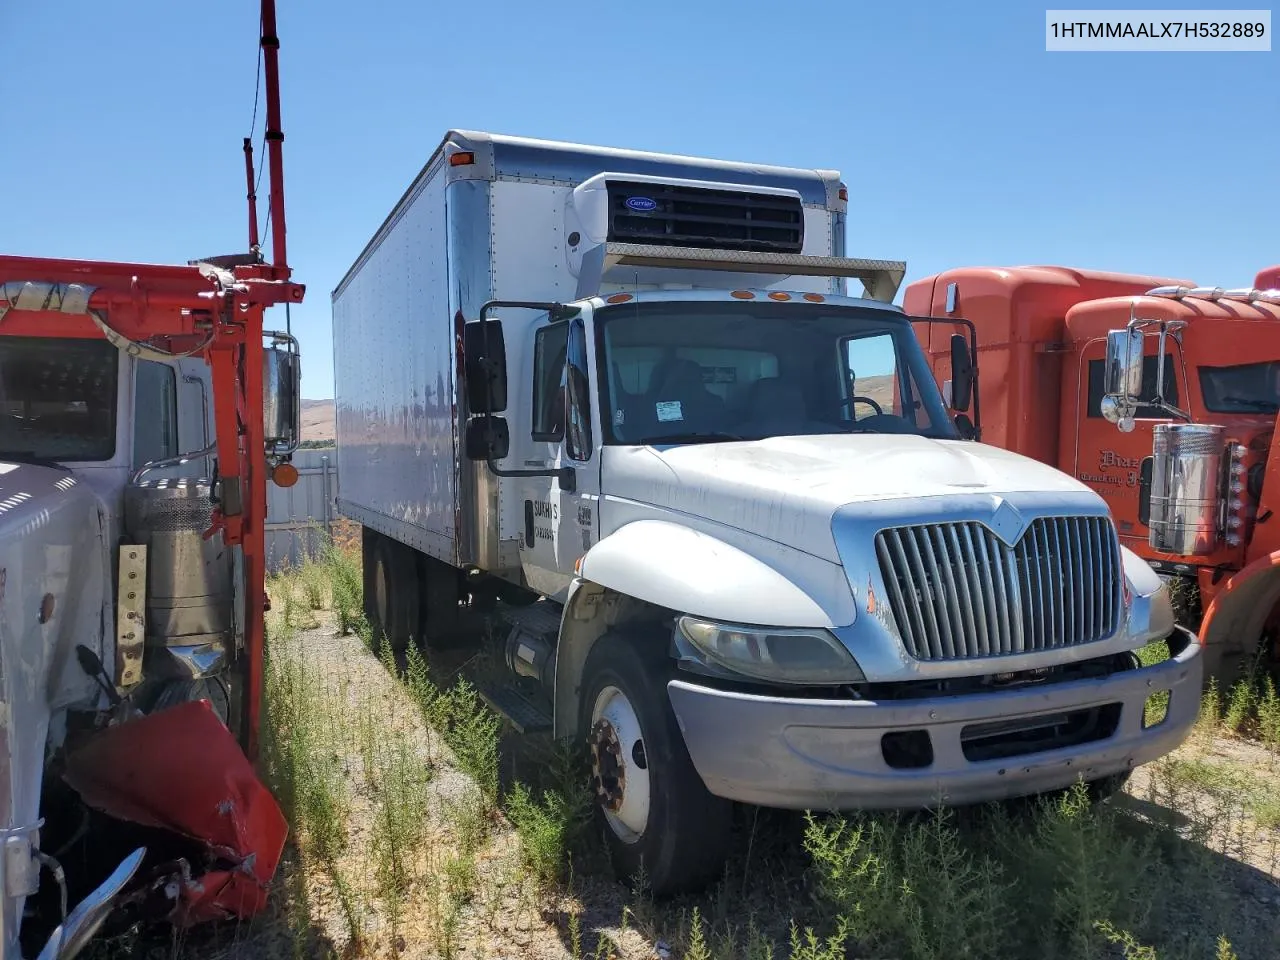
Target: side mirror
<point>961,374</point>
<point>485,355</point>
<point>487,438</point>
<point>281,388</point>
<point>1122,378</point>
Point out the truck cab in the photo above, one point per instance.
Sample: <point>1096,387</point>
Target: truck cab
<point>634,390</point>
<point>1209,357</point>
<point>731,536</point>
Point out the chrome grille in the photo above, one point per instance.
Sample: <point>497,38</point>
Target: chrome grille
<point>958,592</point>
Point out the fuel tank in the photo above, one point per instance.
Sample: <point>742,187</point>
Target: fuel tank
<point>188,588</point>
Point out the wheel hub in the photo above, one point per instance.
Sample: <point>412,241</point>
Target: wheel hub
<point>619,764</point>
<point>609,776</point>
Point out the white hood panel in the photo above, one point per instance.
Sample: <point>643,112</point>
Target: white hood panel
<point>787,488</point>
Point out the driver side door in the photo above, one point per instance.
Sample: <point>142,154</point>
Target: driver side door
<point>561,514</point>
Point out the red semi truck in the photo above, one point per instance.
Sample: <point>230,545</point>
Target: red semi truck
<point>1161,395</point>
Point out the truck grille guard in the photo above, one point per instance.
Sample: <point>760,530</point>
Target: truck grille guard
<point>958,592</point>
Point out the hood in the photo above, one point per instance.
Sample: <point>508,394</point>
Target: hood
<point>54,582</point>
<point>787,488</point>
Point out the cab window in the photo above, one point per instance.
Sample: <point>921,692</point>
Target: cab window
<point>548,369</point>
<point>58,398</point>
<point>155,434</point>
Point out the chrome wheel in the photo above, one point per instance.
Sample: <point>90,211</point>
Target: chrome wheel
<point>619,767</point>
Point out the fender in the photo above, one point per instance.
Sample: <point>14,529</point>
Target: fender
<point>1143,581</point>
<point>1233,623</point>
<point>1150,605</point>
<point>669,565</point>
<point>660,564</point>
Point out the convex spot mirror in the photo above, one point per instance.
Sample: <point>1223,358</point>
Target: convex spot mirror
<point>487,438</point>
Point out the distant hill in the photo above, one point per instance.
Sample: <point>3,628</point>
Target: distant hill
<point>317,420</point>
<point>879,389</point>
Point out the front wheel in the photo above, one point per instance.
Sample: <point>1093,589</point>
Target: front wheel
<point>658,818</point>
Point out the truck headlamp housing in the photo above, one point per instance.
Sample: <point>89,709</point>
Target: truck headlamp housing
<point>802,657</point>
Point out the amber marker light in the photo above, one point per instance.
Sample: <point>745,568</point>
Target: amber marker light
<point>284,475</point>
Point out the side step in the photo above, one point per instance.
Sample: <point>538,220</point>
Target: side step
<point>522,712</point>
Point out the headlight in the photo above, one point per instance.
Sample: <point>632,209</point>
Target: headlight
<point>776,655</point>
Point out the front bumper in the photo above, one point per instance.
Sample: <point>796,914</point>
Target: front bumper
<point>828,755</point>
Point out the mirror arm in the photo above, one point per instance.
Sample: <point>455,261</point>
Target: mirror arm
<point>1170,409</point>
<point>556,309</point>
<point>567,476</point>
<point>1168,329</point>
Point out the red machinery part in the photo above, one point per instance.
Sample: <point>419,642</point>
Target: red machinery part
<point>181,770</point>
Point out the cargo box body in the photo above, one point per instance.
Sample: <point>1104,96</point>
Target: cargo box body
<point>493,217</point>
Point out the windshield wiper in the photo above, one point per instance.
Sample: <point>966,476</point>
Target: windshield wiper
<point>713,436</point>
<point>1270,406</point>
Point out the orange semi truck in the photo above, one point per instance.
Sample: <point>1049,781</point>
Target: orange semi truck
<point>1159,394</point>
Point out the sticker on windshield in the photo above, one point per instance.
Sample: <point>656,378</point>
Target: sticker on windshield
<point>619,418</point>
<point>668,410</point>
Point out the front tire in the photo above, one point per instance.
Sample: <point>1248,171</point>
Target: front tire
<point>658,818</point>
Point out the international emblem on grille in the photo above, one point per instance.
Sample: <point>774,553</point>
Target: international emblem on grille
<point>1007,522</point>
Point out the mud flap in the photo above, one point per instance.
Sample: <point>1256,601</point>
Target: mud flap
<point>181,770</point>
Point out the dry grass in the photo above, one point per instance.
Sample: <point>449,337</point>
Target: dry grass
<point>411,838</point>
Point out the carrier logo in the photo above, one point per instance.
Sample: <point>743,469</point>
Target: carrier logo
<point>642,204</point>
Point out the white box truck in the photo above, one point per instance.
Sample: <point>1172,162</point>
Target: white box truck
<point>622,402</point>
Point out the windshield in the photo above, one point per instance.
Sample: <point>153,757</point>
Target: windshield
<point>1242,388</point>
<point>57,398</point>
<point>689,372</point>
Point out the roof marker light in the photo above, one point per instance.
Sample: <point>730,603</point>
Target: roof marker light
<point>779,295</point>
<point>844,194</point>
<point>464,159</point>
<point>743,295</point>
<point>619,298</point>
<point>815,298</point>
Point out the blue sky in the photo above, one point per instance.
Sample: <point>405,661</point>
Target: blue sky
<point>962,140</point>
